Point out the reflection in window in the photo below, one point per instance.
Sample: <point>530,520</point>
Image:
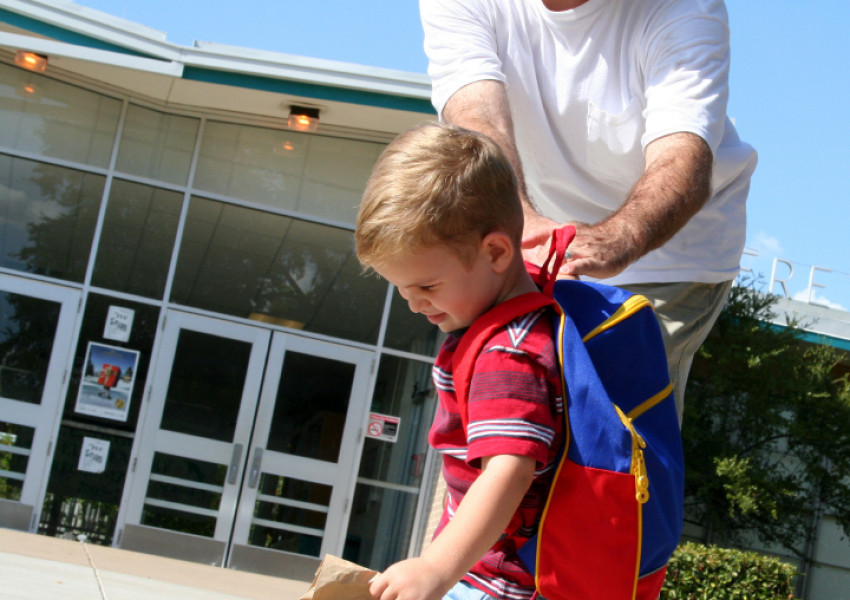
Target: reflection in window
<point>205,388</point>
<point>403,389</point>
<point>27,329</point>
<point>311,406</point>
<point>410,331</point>
<point>48,117</point>
<point>184,494</point>
<point>82,502</point>
<point>15,449</point>
<point>381,526</point>
<point>137,239</point>
<point>390,475</point>
<point>272,268</point>
<point>290,515</point>
<point>317,175</point>
<point>157,145</point>
<point>47,217</point>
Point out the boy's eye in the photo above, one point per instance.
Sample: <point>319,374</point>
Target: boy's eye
<point>426,288</point>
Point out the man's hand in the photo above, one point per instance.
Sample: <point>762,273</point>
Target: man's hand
<point>674,186</point>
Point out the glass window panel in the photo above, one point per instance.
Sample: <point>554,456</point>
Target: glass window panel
<point>250,263</point>
<point>319,175</point>
<point>27,329</point>
<point>137,239</point>
<point>311,405</point>
<point>380,527</point>
<point>335,174</point>
<point>157,145</point>
<point>185,508</point>
<point>251,163</point>
<point>409,331</point>
<point>15,449</point>
<point>205,388</point>
<point>81,502</point>
<point>47,217</point>
<point>48,117</point>
<point>290,514</point>
<point>403,389</point>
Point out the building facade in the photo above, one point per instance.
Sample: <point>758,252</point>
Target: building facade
<point>192,362</point>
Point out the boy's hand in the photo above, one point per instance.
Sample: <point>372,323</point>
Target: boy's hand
<point>412,579</point>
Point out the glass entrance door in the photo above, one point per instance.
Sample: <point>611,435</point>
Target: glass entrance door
<point>248,447</point>
<point>36,328</point>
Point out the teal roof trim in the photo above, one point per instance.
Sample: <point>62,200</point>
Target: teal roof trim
<point>63,35</point>
<point>817,338</point>
<point>310,90</point>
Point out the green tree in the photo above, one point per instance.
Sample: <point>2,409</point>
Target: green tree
<point>766,429</point>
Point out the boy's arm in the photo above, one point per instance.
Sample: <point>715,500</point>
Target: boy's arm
<point>483,514</point>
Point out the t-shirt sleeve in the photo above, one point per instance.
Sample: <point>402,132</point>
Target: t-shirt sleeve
<point>686,59</point>
<point>460,45</point>
<point>510,406</point>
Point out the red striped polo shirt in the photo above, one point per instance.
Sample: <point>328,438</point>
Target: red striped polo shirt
<point>515,407</point>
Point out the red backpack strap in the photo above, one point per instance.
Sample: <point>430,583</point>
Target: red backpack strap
<point>546,275</point>
<point>480,331</point>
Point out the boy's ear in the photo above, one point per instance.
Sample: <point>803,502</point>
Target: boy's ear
<point>500,250</point>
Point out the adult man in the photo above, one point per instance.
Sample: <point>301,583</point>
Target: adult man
<point>613,113</point>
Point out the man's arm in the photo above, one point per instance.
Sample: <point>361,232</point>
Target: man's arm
<point>483,106</point>
<point>675,185</point>
<point>483,514</point>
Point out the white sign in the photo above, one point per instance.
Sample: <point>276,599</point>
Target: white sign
<point>93,455</point>
<point>119,324</point>
<point>383,427</point>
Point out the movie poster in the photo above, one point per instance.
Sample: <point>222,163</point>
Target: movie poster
<point>106,385</point>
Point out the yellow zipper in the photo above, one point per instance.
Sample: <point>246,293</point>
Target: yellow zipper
<point>638,468</point>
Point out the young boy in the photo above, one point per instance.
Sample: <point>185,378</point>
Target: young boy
<point>441,220</point>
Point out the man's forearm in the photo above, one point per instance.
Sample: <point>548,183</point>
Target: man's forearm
<point>673,188</point>
<point>483,106</point>
<point>675,185</point>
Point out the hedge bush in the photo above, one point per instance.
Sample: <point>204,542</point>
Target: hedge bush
<point>698,572</point>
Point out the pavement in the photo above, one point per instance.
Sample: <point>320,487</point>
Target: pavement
<point>37,567</point>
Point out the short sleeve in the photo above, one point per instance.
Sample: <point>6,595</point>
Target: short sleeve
<point>460,45</point>
<point>512,402</point>
<point>686,69</point>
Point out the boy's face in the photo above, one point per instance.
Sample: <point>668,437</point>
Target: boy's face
<point>450,293</point>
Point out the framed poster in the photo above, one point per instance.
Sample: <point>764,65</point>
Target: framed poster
<point>106,385</point>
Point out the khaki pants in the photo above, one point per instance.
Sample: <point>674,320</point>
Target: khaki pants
<point>686,311</point>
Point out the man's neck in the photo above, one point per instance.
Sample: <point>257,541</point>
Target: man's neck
<point>561,5</point>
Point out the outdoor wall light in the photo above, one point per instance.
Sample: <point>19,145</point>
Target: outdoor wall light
<point>302,118</point>
<point>31,61</point>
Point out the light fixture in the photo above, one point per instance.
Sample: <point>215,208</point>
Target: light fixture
<point>31,61</point>
<point>303,118</point>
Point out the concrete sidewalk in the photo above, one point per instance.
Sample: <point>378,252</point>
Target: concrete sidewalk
<point>37,567</point>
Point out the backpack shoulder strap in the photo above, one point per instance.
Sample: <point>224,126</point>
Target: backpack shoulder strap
<point>480,331</point>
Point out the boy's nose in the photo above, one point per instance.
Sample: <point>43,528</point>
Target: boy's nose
<point>416,304</point>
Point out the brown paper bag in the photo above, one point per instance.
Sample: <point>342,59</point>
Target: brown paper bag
<point>338,579</point>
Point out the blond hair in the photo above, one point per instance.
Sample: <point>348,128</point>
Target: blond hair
<point>436,184</point>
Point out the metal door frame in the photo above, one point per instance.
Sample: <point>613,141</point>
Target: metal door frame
<point>46,416</point>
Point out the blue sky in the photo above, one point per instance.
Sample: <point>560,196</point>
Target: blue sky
<point>790,86</point>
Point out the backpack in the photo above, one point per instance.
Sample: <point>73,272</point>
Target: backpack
<point>615,507</point>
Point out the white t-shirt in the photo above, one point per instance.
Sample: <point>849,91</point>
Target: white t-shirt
<point>589,88</point>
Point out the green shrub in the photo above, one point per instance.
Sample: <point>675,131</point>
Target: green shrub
<point>698,572</point>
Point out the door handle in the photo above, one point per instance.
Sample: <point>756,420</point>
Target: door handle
<point>235,459</point>
<point>255,467</point>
